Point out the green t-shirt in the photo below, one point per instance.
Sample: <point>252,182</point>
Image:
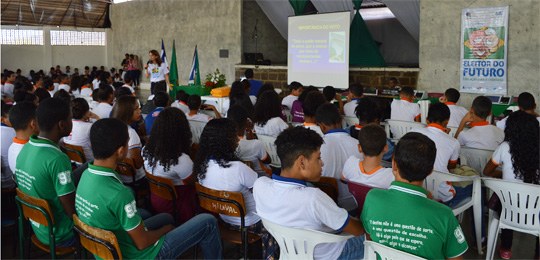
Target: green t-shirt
<point>44,171</point>
<point>104,202</point>
<point>402,217</point>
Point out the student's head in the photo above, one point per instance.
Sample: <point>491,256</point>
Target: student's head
<point>54,117</point>
<point>95,94</point>
<point>105,78</point>
<point>10,76</point>
<point>22,96</point>
<point>372,141</point>
<point>414,156</point>
<point>109,139</point>
<point>79,108</point>
<point>161,99</point>
<point>22,116</point>
<point>48,83</point>
<point>406,92</point>
<point>298,149</point>
<point>64,95</point>
<point>182,96</point>
<point>481,107</point>
<point>522,134</point>
<point>268,106</point>
<point>5,111</point>
<point>452,95</point>
<point>22,84</point>
<point>122,91</point>
<point>526,101</point>
<point>438,113</point>
<point>246,85</point>
<point>218,142</point>
<point>105,94</point>
<point>194,102</point>
<point>163,150</point>
<point>356,90</point>
<point>367,111</point>
<point>265,87</point>
<point>127,109</point>
<point>239,116</point>
<point>296,88</point>
<point>328,117</point>
<point>42,94</point>
<point>305,92</point>
<point>393,82</point>
<point>64,79</point>
<point>237,90</point>
<point>248,73</point>
<point>329,93</point>
<point>313,101</point>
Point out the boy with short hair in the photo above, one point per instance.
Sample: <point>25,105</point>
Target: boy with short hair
<point>404,109</point>
<point>287,200</point>
<point>105,98</point>
<point>194,104</point>
<point>48,84</point>
<point>296,89</point>
<point>481,134</point>
<point>23,119</point>
<point>372,144</point>
<point>103,201</point>
<point>356,91</point>
<point>403,217</point>
<point>161,101</point>
<point>64,83</point>
<point>313,101</point>
<point>525,103</point>
<point>181,101</point>
<point>128,83</point>
<point>450,98</point>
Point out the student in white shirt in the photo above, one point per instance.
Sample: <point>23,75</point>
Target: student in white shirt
<point>80,133</point>
<point>64,83</point>
<point>404,109</point>
<point>313,101</point>
<point>106,98</point>
<point>337,148</point>
<point>519,157</point>
<point>157,71</point>
<point>296,89</point>
<point>181,101</point>
<point>450,98</point>
<point>194,105</point>
<point>8,133</point>
<point>526,103</point>
<point>168,157</point>
<point>217,167</point>
<point>287,200</point>
<point>356,91</point>
<point>372,144</point>
<point>267,116</point>
<point>481,134</point>
<point>8,87</point>
<point>49,85</point>
<point>128,83</point>
<point>22,117</point>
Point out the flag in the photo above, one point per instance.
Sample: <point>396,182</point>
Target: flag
<point>195,75</point>
<point>163,54</point>
<point>173,71</point>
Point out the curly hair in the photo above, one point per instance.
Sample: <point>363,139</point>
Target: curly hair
<point>218,142</point>
<point>522,134</point>
<point>267,107</point>
<point>161,148</point>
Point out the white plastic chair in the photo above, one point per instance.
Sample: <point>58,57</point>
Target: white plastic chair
<point>271,148</point>
<point>298,243</point>
<point>371,249</point>
<point>432,183</point>
<point>475,158</point>
<point>520,210</point>
<point>453,131</point>
<point>196,130</point>
<point>350,120</point>
<point>399,128</point>
<point>288,114</point>
<point>424,108</point>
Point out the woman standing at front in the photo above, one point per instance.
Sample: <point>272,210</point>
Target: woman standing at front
<point>157,71</point>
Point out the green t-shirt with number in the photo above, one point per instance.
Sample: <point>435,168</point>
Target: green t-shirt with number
<point>104,202</point>
<point>44,171</point>
<point>403,218</point>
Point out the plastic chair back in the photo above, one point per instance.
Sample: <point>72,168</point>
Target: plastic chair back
<point>350,120</point>
<point>475,158</point>
<point>453,131</point>
<point>196,130</point>
<point>298,243</point>
<point>100,242</point>
<point>372,249</point>
<point>400,128</point>
<point>271,148</point>
<point>359,192</point>
<point>74,152</point>
<point>424,108</point>
<point>329,186</point>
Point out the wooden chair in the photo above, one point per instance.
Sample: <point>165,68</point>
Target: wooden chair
<point>75,153</point>
<point>163,188</point>
<point>126,168</point>
<point>100,242</point>
<point>38,211</point>
<point>359,192</point>
<point>329,186</point>
<point>230,204</point>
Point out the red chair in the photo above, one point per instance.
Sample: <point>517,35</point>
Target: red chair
<point>359,192</point>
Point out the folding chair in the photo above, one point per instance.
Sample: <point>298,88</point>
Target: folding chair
<point>372,249</point>
<point>74,152</point>
<point>399,128</point>
<point>196,130</point>
<point>271,148</point>
<point>102,243</point>
<point>163,188</point>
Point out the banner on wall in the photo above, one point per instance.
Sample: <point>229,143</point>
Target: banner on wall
<point>484,34</point>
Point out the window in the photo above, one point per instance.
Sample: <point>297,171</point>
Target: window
<point>22,37</point>
<point>77,38</point>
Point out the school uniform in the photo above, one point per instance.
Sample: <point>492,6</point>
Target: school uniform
<point>273,127</point>
<point>350,107</point>
<point>103,110</point>
<point>134,143</point>
<point>181,105</point>
<point>65,87</point>
<point>456,114</point>
<point>502,157</point>
<point>7,89</point>
<point>314,127</point>
<point>13,152</point>
<point>252,151</point>
<point>8,134</point>
<point>481,135</point>
<point>288,101</point>
<point>80,135</point>
<point>404,110</point>
<point>354,171</point>
<point>86,92</point>
<point>355,130</point>
<point>129,87</point>
<point>199,117</point>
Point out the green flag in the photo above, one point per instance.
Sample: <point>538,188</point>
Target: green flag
<point>195,75</point>
<point>173,70</point>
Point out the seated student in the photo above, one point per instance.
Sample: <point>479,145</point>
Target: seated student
<point>238,96</point>
<point>518,156</point>
<point>42,94</point>
<point>181,101</point>
<point>525,103</point>
<point>251,150</point>
<point>22,117</point>
<point>63,95</point>
<point>356,91</point>
<point>436,233</point>
<point>86,89</point>
<point>113,205</point>
<point>42,170</point>
<point>372,144</point>
<point>8,134</point>
<point>8,87</point>
<point>247,88</point>
<point>481,134</point>
<point>265,87</point>
<point>95,99</point>
<point>80,133</point>
<point>48,84</point>
<point>332,96</point>
<point>255,85</point>
<point>296,89</point>
<point>119,92</point>
<point>65,80</point>
<point>297,112</point>
<point>128,83</point>
<point>450,98</point>
<point>267,117</point>
<point>161,101</point>
<point>337,148</point>
<point>105,98</point>
<point>287,200</point>
<point>194,104</point>
<point>169,158</point>
<point>217,167</point>
<point>404,109</point>
<point>313,101</point>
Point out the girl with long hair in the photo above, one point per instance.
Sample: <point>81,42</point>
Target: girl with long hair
<point>267,116</point>
<point>157,71</point>
<point>238,96</point>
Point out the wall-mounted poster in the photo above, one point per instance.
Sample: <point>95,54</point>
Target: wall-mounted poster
<point>484,37</point>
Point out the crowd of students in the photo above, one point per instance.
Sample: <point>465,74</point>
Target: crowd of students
<point>111,125</point>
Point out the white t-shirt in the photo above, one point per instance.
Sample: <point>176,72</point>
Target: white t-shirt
<point>349,107</point>
<point>487,137</point>
<point>253,99</point>
<point>199,117</point>
<point>129,87</point>
<point>103,110</point>
<point>180,105</point>
<point>64,87</point>
<point>8,133</point>
<point>456,114</point>
<point>353,170</point>
<point>253,151</point>
<point>157,73</point>
<point>502,123</point>
<point>314,127</point>
<point>404,110</point>
<point>177,173</point>
<point>338,146</point>
<point>288,101</point>
<point>237,178</point>
<point>95,83</point>
<point>87,92</point>
<point>289,202</point>
<point>503,158</point>
<point>52,92</point>
<point>14,150</point>
<point>80,135</point>
<point>273,127</point>
<point>134,143</point>
<point>7,89</point>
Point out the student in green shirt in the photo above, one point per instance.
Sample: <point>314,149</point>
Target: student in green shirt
<point>104,202</point>
<point>403,217</point>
